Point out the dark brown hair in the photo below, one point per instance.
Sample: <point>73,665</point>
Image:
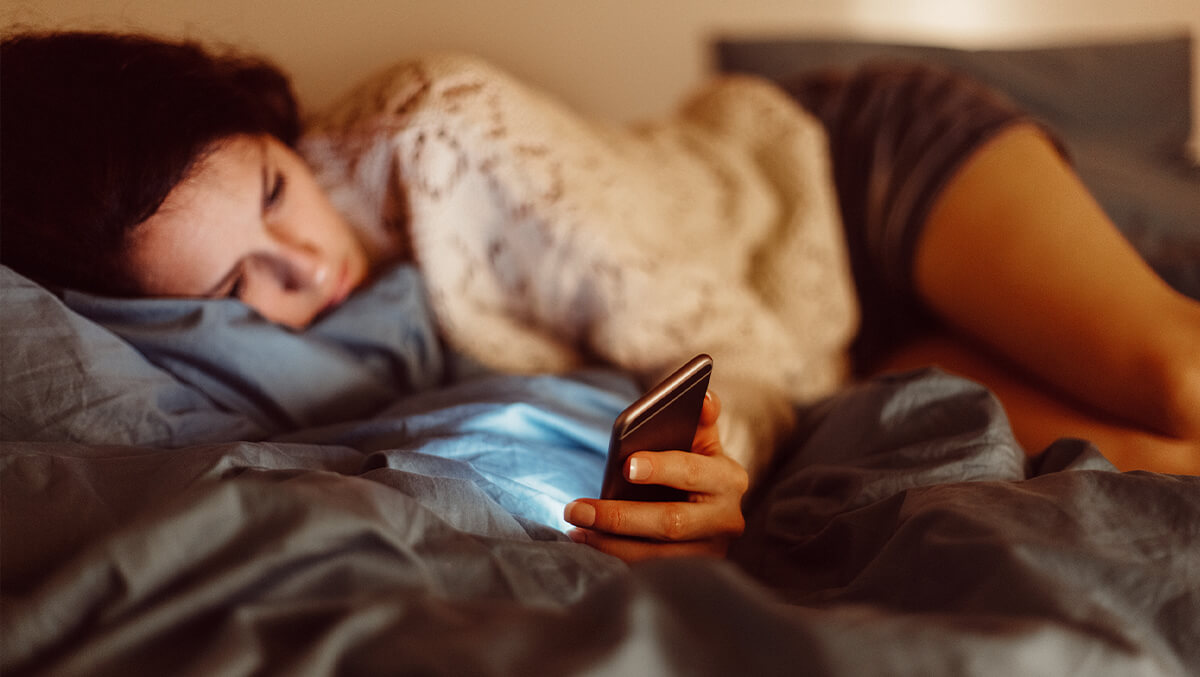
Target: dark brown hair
<point>95,131</point>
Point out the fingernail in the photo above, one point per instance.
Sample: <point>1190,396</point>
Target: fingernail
<point>580,514</point>
<point>639,468</point>
<point>708,394</point>
<point>577,535</point>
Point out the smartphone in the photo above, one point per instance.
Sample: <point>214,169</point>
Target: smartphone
<point>663,419</point>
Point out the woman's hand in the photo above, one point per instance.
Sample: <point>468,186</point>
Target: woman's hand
<point>704,525</point>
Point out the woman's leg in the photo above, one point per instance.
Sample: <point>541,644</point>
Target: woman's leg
<point>1016,254</point>
<point>960,213</point>
<point>1040,413</point>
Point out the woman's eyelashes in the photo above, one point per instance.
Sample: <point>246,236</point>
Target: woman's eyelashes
<point>235,282</point>
<point>236,287</point>
<point>273,190</point>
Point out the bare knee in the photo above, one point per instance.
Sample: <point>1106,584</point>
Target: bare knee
<point>1181,393</point>
<point>1175,371</point>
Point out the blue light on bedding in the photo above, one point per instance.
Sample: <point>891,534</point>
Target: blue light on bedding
<point>531,443</point>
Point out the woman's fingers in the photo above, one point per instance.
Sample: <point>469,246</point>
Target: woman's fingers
<point>634,530</point>
<point>692,472</point>
<point>662,521</point>
<point>632,549</point>
<point>707,441</point>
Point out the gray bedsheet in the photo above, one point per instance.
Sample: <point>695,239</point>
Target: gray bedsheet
<point>904,533</point>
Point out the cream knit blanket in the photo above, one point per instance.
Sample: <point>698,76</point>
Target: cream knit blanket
<point>548,240</point>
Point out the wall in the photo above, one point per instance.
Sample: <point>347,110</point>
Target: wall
<point>618,59</point>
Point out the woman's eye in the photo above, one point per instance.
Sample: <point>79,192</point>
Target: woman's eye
<point>235,289</point>
<point>274,195</point>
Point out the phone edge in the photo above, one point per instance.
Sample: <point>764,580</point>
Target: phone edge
<point>650,401</point>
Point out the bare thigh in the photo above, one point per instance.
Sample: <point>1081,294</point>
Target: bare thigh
<point>1041,413</point>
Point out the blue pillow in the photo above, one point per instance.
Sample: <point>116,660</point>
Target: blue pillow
<point>176,372</point>
<point>65,378</point>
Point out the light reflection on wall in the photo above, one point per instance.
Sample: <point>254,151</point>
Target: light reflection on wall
<point>949,21</point>
<point>985,22</point>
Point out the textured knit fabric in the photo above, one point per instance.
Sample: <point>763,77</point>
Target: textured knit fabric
<point>548,240</point>
<point>897,133</point>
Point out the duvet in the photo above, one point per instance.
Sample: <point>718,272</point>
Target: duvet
<point>177,500</point>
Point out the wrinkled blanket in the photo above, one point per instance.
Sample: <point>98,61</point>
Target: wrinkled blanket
<point>903,532</point>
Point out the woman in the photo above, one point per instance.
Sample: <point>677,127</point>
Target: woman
<point>134,167</point>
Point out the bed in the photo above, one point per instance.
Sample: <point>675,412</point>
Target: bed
<point>177,500</point>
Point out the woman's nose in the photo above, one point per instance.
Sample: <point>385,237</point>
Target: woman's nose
<point>301,267</point>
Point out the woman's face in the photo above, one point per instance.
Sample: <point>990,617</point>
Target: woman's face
<point>250,222</point>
